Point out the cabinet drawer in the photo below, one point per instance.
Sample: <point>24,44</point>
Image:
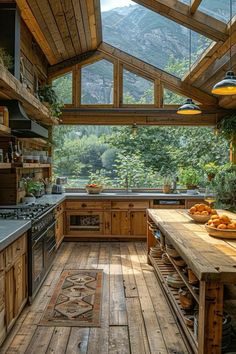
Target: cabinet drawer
<point>86,204</point>
<point>2,261</point>
<point>16,249</point>
<point>140,204</point>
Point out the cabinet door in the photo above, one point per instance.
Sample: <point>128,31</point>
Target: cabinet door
<point>120,223</point>
<point>20,284</point>
<point>138,223</point>
<point>59,233</point>
<point>9,296</point>
<point>2,307</point>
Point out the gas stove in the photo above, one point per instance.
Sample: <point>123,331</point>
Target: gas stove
<point>24,212</point>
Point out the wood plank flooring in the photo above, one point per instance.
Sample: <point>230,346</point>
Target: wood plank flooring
<point>136,318</point>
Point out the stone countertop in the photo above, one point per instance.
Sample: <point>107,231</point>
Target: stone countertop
<point>10,230</point>
<point>58,198</point>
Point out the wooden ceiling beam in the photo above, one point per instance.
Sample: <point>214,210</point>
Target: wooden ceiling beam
<point>34,28</point>
<point>210,56</point>
<point>194,6</point>
<point>179,12</point>
<point>126,116</point>
<point>151,71</point>
<point>65,65</point>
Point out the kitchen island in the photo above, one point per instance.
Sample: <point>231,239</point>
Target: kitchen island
<point>213,263</point>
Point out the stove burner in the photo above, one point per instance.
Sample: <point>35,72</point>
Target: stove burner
<point>24,212</point>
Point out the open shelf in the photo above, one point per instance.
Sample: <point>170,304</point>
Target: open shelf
<point>32,165</point>
<point>4,165</point>
<point>14,89</point>
<point>4,130</point>
<point>162,271</point>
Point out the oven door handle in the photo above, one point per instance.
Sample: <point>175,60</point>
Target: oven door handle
<point>50,226</point>
<point>39,238</point>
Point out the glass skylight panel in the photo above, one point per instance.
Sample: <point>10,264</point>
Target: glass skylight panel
<point>219,9</point>
<point>136,89</point>
<point>62,85</point>
<point>97,83</point>
<point>152,38</point>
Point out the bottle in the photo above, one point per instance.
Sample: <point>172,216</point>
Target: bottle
<point>10,152</point>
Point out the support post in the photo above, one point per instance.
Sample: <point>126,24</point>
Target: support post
<point>210,317</point>
<point>233,149</point>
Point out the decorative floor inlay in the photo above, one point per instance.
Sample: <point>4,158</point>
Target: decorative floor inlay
<point>76,300</point>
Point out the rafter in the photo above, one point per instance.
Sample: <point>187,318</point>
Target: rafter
<point>170,81</point>
<point>33,26</point>
<point>194,6</point>
<point>179,12</point>
<point>214,60</point>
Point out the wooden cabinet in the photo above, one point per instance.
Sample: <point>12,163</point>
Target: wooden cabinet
<point>85,223</point>
<point>13,284</point>
<point>2,298</point>
<point>120,225</point>
<point>59,231</point>
<point>138,223</point>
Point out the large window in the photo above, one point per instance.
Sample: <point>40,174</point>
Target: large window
<point>136,89</point>
<point>151,37</point>
<point>170,97</point>
<point>63,87</point>
<point>118,158</point>
<point>97,83</point>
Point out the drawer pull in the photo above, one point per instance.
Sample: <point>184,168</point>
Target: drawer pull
<point>18,249</point>
<point>131,205</point>
<point>83,205</point>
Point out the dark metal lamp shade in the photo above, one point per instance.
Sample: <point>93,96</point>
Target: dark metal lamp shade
<point>189,108</point>
<point>227,86</point>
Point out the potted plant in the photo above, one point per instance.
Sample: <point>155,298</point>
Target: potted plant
<point>190,178</point>
<point>167,184</point>
<point>225,187</point>
<point>29,186</point>
<point>6,59</point>
<point>48,96</point>
<point>211,170</point>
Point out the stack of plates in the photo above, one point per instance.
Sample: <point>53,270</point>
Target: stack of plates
<point>175,281</point>
<point>156,251</point>
<point>165,259</point>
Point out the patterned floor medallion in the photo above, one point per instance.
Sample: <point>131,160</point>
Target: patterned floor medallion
<point>76,300</point>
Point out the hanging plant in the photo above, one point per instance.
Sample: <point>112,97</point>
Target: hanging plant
<point>227,126</point>
<point>47,95</point>
<point>6,59</point>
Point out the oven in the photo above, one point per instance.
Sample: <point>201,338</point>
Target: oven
<point>42,250</point>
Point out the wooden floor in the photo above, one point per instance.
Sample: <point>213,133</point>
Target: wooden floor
<point>135,315</point>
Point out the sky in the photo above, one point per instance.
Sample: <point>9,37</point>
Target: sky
<point>111,4</point>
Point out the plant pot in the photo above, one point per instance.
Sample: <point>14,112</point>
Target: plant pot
<point>29,199</point>
<point>210,176</point>
<point>166,188</point>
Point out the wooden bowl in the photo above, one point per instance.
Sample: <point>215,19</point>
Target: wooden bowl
<point>213,231</point>
<point>179,262</point>
<point>200,218</point>
<point>175,281</point>
<point>172,252</point>
<point>93,190</point>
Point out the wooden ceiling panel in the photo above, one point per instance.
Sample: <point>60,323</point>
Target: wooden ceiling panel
<point>63,28</point>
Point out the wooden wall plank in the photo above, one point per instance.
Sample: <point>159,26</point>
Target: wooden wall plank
<point>36,31</point>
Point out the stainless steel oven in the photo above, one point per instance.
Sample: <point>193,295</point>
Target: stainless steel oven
<point>42,250</point>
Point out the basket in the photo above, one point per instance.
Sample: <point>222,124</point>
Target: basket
<point>212,231</point>
<point>200,218</point>
<point>94,190</point>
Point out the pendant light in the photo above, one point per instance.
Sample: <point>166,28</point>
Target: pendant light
<point>228,85</point>
<point>189,107</point>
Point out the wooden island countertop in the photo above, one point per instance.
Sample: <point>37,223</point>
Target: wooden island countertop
<point>208,257</point>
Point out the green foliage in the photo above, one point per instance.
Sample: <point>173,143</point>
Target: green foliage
<point>47,94</point>
<point>189,177</point>
<point>63,88</point>
<point>6,58</point>
<point>132,172</point>
<point>31,187</point>
<point>99,177</point>
<point>225,187</point>
<point>227,126</point>
<point>167,180</point>
<point>211,168</point>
